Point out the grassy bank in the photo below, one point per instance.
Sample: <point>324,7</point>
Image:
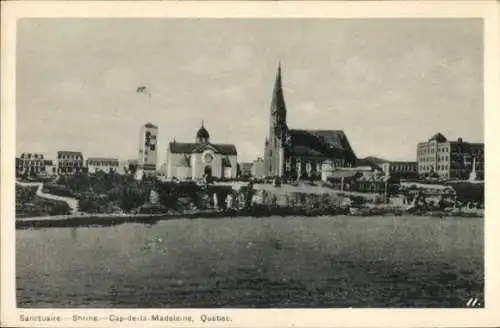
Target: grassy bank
<point>258,211</point>
<point>28,204</point>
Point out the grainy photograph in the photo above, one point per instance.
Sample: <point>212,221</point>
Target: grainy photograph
<point>276,166</point>
<point>249,163</point>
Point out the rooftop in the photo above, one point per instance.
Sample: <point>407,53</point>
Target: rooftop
<point>195,147</point>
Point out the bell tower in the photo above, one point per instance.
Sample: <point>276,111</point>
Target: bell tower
<point>148,149</point>
<point>274,155</point>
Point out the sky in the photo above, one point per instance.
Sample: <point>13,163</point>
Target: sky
<point>388,83</point>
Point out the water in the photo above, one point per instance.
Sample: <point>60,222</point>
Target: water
<point>249,262</point>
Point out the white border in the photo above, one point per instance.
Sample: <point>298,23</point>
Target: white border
<point>488,10</point>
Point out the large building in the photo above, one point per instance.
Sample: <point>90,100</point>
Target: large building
<point>101,164</point>
<point>33,164</point>
<point>400,169</point>
<point>450,159</point>
<point>186,160</point>
<point>70,162</point>
<point>294,153</point>
<point>148,149</point>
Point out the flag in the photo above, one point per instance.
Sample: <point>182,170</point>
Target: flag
<point>142,89</point>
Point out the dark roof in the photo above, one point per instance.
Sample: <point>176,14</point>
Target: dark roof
<point>32,156</point>
<point>189,147</point>
<point>438,137</point>
<point>202,133</point>
<point>404,162</point>
<point>91,160</point>
<point>69,153</point>
<point>466,147</point>
<point>343,174</point>
<point>321,143</point>
<point>150,125</point>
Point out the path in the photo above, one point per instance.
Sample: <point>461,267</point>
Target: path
<point>72,202</point>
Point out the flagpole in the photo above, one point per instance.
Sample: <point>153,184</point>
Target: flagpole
<point>145,90</point>
<point>149,106</point>
<point>148,93</point>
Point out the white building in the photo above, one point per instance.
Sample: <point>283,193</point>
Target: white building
<point>148,142</point>
<point>70,162</point>
<point>106,165</point>
<point>195,160</point>
<point>34,164</point>
<point>50,167</point>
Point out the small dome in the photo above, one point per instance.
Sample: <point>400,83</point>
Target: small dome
<point>202,135</point>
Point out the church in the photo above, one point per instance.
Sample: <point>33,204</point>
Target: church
<point>194,160</point>
<point>296,153</point>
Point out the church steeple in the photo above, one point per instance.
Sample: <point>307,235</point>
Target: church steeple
<point>278,127</point>
<point>278,100</point>
<point>278,130</point>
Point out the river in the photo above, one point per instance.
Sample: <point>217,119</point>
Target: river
<point>255,263</point>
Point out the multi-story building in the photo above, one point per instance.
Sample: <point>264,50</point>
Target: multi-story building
<point>399,169</point>
<point>106,165</point>
<point>33,164</point>
<point>70,162</point>
<point>148,149</point>
<point>450,159</point>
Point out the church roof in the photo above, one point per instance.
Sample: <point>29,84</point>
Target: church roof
<point>321,143</point>
<point>195,147</point>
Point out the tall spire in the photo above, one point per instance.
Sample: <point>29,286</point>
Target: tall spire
<point>278,101</point>
<point>202,123</point>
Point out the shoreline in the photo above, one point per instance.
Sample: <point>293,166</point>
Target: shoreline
<point>105,220</point>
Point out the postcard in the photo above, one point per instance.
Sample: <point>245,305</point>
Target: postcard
<point>250,164</point>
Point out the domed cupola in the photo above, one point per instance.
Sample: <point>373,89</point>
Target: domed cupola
<point>202,136</point>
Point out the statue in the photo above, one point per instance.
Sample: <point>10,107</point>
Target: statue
<point>154,198</point>
<point>139,174</point>
<point>473,174</point>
